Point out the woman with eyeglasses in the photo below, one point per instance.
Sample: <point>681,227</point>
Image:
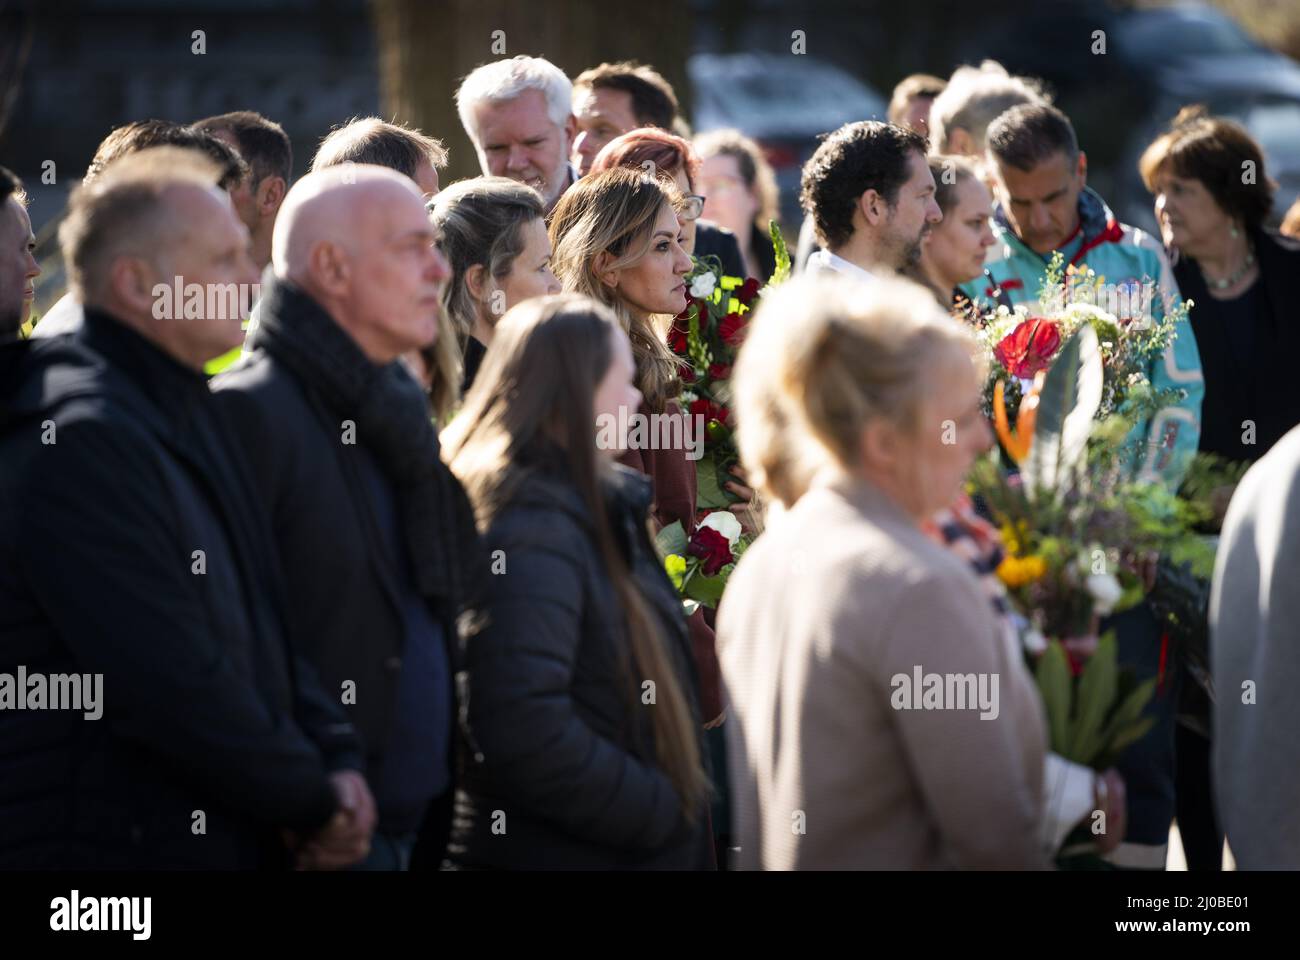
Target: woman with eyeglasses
<point>658,151</point>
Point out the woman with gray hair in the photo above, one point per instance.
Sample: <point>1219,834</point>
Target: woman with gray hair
<point>843,614</point>
<point>492,232</point>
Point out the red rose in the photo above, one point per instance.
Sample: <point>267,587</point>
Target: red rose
<point>712,549</point>
<point>678,339</point>
<point>1029,348</point>
<point>732,329</point>
<point>747,291</point>
<point>719,371</point>
<point>685,371</point>
<point>709,410</point>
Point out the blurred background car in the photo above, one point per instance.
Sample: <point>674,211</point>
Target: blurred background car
<point>784,103</point>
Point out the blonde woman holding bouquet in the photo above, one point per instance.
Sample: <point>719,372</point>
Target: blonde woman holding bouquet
<point>616,237</point>
<point>842,618</point>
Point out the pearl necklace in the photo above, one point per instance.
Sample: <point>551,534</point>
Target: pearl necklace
<point>1236,277</point>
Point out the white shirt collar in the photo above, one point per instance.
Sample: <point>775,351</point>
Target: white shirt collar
<point>825,260</point>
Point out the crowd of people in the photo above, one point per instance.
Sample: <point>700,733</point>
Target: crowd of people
<point>364,589</point>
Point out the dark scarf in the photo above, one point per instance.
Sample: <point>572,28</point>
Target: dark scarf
<point>393,423</point>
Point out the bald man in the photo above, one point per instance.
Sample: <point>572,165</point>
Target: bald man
<point>136,560</point>
<point>374,532</point>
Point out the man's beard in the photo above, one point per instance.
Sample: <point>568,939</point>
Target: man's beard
<point>910,253</point>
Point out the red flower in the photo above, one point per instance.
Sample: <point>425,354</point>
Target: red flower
<point>732,329</point>
<point>677,338</point>
<point>719,371</point>
<point>685,371</point>
<point>709,410</point>
<point>1029,348</point>
<point>747,291</point>
<point>712,549</point>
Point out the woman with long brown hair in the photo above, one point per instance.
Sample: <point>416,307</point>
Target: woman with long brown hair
<point>616,237</point>
<point>582,743</point>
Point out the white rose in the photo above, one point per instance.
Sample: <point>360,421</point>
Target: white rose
<point>725,522</point>
<point>1105,590</point>
<point>703,285</point>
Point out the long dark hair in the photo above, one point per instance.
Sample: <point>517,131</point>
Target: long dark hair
<point>531,411</point>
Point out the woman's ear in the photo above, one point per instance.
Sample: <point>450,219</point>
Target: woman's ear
<point>879,444</point>
<point>475,282</point>
<point>601,267</point>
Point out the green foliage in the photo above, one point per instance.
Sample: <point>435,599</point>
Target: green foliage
<point>782,271</point>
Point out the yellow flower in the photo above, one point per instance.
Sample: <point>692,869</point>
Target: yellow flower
<point>1018,571</point>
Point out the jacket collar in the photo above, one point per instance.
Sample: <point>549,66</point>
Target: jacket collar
<point>170,385</point>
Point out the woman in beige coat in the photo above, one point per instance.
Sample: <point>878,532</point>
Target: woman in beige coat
<point>882,720</point>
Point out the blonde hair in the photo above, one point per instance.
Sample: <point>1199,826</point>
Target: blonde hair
<point>125,212</point>
<point>614,212</point>
<point>825,355</point>
<point>973,99</point>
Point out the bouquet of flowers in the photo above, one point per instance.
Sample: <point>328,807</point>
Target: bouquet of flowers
<point>1019,346</point>
<point>1074,525</point>
<point>706,336</point>
<point>700,565</point>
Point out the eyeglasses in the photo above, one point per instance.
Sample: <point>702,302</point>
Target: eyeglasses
<point>692,207</point>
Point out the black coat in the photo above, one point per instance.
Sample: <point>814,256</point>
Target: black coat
<point>204,707</point>
<point>553,738</point>
<point>345,607</point>
<point>1266,392</point>
<point>713,240</point>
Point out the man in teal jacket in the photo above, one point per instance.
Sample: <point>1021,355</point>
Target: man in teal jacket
<point>1044,207</point>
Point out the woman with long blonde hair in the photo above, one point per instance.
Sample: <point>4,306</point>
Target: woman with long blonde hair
<point>616,237</point>
<point>578,720</point>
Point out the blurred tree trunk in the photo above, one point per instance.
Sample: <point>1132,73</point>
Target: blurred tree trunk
<point>425,49</point>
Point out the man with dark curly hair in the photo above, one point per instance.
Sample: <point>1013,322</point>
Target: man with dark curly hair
<point>870,194</point>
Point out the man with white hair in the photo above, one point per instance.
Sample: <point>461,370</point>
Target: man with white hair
<point>974,97</point>
<point>518,114</point>
<point>376,537</point>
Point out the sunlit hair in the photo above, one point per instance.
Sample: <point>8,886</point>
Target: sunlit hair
<point>651,150</point>
<point>372,140</point>
<point>128,211</point>
<point>479,222</point>
<point>504,80</point>
<point>531,414</point>
<point>144,134</point>
<point>754,168</point>
<point>973,99</point>
<point>615,212</point>
<point>824,356</point>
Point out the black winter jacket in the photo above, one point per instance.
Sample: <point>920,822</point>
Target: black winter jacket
<point>114,473</point>
<point>556,751</point>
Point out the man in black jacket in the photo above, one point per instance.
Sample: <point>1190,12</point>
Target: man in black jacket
<point>373,531</point>
<point>137,575</point>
